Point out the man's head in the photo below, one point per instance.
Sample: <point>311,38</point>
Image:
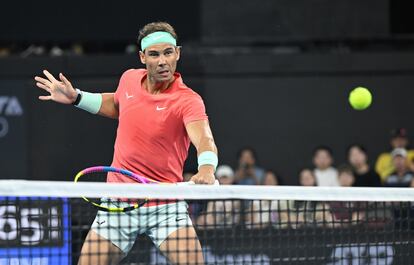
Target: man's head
<point>357,155</point>
<point>346,176</point>
<point>399,159</point>
<point>307,178</point>
<point>247,157</point>
<point>270,178</point>
<point>225,175</point>
<point>159,51</point>
<point>399,138</point>
<point>322,157</point>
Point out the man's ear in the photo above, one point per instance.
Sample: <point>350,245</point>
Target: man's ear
<point>178,50</point>
<point>142,56</point>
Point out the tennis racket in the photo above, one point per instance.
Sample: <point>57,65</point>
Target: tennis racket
<point>96,173</point>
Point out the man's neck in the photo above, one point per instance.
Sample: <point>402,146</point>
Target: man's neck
<point>155,88</point>
<point>362,169</point>
<point>324,169</point>
<point>401,172</point>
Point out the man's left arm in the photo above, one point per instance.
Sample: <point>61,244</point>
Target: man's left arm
<point>202,138</point>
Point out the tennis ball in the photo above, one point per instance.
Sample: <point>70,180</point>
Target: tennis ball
<point>360,98</point>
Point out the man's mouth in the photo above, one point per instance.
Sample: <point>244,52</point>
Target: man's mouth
<point>164,72</point>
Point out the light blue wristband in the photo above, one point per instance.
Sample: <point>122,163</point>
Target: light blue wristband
<point>208,158</point>
<point>91,102</point>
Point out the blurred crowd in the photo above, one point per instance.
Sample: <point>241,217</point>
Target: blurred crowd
<point>65,49</point>
<point>393,168</point>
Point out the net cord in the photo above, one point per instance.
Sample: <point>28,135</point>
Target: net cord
<point>127,190</point>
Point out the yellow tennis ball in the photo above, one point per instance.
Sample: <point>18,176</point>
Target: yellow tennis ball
<point>360,98</point>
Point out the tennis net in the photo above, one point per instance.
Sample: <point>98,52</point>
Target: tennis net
<point>45,222</point>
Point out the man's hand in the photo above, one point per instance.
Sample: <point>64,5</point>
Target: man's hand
<point>61,91</point>
<point>205,175</point>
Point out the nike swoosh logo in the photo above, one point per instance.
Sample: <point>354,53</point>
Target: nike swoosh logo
<point>157,37</point>
<point>128,96</point>
<point>99,223</point>
<point>158,108</point>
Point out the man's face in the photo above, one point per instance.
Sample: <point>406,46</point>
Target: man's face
<point>357,157</point>
<point>225,180</point>
<point>322,159</point>
<point>247,158</point>
<point>399,162</point>
<point>346,179</point>
<point>161,61</point>
<point>399,142</point>
<point>270,179</point>
<point>306,178</point>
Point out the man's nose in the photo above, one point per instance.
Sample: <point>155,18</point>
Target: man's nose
<point>162,60</point>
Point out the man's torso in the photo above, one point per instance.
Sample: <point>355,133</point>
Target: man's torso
<point>151,137</point>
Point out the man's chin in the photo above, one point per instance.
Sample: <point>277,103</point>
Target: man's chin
<point>162,79</point>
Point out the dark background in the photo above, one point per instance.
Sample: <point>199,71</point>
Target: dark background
<point>274,76</point>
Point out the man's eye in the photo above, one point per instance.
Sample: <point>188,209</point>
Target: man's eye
<point>153,54</point>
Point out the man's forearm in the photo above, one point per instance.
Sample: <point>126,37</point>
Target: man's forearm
<point>206,144</point>
<point>97,103</point>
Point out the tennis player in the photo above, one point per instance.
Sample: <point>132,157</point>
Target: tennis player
<point>158,117</point>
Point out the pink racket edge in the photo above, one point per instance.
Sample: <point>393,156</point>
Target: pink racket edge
<point>106,169</point>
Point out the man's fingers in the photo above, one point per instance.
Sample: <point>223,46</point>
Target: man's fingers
<point>45,97</point>
<point>201,180</point>
<point>65,80</point>
<point>42,86</point>
<point>43,81</point>
<point>49,76</point>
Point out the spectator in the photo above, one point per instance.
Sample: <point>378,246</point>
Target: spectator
<point>307,178</point>
<point>402,176</point>
<point>225,175</point>
<point>344,212</point>
<point>384,165</point>
<point>364,175</point>
<point>263,213</point>
<point>346,176</point>
<point>271,179</point>
<point>325,174</point>
<point>221,213</point>
<point>308,213</point>
<point>248,173</point>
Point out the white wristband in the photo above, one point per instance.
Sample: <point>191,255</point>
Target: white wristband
<point>91,102</point>
<point>208,158</point>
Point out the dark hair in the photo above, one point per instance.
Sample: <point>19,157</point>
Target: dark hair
<point>247,148</point>
<point>306,168</point>
<point>345,168</point>
<point>359,146</point>
<point>322,148</point>
<point>279,180</point>
<point>156,26</point>
<point>399,132</point>
<point>310,170</point>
